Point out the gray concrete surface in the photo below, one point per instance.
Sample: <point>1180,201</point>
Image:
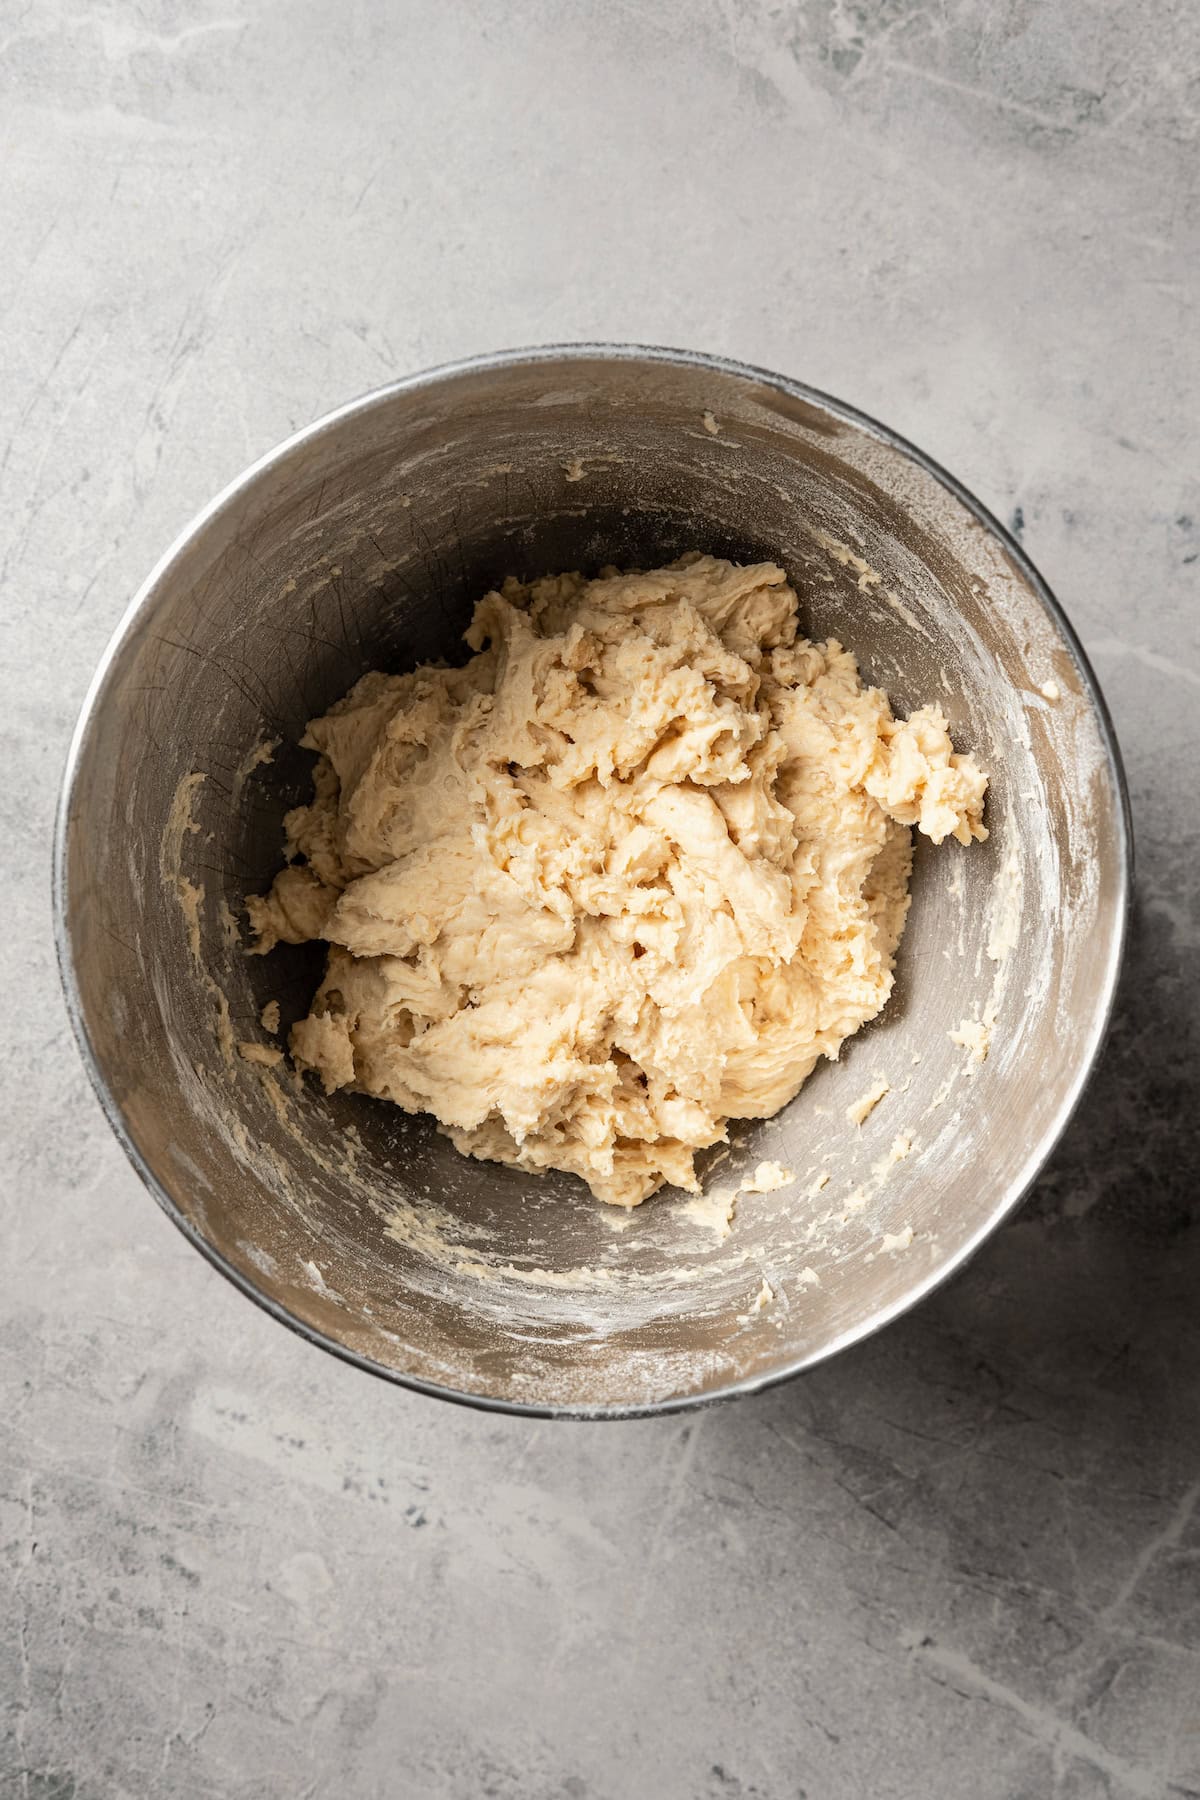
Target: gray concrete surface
<point>964,1560</point>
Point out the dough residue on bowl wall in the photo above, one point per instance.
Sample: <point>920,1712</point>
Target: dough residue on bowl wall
<point>859,1110</point>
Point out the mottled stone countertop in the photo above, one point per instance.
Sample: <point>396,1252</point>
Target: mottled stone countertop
<point>963,1560</point>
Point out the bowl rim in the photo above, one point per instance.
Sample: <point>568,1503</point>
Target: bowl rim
<point>366,403</point>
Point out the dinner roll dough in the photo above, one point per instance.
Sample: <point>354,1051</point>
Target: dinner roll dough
<point>624,876</point>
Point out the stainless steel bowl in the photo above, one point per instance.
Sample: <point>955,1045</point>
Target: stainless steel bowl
<point>361,543</point>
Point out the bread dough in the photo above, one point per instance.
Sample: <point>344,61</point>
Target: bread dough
<point>626,875</point>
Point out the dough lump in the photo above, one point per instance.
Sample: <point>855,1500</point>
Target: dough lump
<point>626,875</point>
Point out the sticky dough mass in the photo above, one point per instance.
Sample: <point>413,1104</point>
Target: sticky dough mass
<point>624,876</point>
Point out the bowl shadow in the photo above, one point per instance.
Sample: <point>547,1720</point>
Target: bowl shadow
<point>1031,1435</point>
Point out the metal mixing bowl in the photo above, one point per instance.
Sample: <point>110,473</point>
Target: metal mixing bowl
<point>362,543</point>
